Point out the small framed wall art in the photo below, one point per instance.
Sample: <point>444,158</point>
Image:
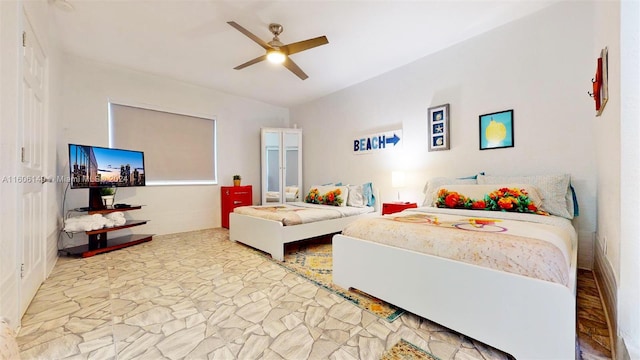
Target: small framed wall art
<point>438,128</point>
<point>600,82</point>
<point>496,130</point>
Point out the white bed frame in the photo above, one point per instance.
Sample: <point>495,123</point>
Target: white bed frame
<point>270,235</point>
<point>525,317</point>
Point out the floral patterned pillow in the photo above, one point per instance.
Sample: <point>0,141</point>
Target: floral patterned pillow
<point>555,190</point>
<point>327,195</point>
<point>431,188</point>
<point>512,198</point>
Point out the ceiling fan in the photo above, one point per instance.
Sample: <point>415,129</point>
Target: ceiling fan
<point>278,52</point>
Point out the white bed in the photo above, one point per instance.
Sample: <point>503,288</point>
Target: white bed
<point>524,316</point>
<point>270,235</point>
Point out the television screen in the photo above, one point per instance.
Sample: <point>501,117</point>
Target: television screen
<point>93,166</point>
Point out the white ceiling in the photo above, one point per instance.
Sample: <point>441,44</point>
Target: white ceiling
<point>190,40</point>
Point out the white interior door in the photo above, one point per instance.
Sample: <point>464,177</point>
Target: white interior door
<point>32,206</point>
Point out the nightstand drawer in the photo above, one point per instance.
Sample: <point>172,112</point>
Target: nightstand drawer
<point>232,197</point>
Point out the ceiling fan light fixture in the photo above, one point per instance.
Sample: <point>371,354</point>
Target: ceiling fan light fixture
<point>275,56</point>
<point>277,52</point>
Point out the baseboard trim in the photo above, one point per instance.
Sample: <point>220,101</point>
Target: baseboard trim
<point>622,351</point>
<point>607,287</point>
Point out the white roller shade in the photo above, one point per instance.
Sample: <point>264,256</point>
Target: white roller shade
<point>178,149</point>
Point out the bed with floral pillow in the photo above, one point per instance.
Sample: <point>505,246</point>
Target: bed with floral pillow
<point>494,258</point>
<point>326,209</point>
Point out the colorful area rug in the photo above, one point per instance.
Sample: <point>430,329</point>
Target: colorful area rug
<point>312,259</point>
<point>404,350</point>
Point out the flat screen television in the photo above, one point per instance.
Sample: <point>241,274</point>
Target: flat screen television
<point>98,167</point>
<point>94,167</point>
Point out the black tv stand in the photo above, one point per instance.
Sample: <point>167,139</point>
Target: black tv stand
<point>98,242</point>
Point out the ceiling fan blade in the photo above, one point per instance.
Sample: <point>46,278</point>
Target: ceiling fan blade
<point>304,45</point>
<point>289,64</point>
<point>251,62</point>
<point>249,35</point>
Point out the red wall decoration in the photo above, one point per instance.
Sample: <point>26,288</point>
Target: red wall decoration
<point>599,82</point>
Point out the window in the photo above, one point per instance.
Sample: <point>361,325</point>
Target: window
<point>178,149</point>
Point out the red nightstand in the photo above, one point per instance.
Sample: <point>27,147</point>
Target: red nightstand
<point>394,207</point>
<point>231,197</point>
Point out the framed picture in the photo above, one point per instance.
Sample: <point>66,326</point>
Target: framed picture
<point>496,130</point>
<point>438,128</point>
<point>600,82</point>
<point>604,81</point>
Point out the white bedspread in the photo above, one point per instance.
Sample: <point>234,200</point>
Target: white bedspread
<point>526,244</point>
<point>294,213</point>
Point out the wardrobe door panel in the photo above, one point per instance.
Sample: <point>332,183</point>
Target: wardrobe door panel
<point>292,165</point>
<point>281,165</point>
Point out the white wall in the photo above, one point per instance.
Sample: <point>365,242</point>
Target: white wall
<point>88,86</point>
<point>608,144</point>
<point>618,161</point>
<point>629,241</point>
<point>540,66</point>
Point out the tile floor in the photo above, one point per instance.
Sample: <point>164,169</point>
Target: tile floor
<point>197,295</point>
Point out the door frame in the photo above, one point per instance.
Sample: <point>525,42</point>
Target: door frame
<point>10,79</point>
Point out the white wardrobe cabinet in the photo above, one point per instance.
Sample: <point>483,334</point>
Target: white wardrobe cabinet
<point>281,152</point>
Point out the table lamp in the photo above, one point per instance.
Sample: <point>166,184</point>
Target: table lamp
<point>397,181</point>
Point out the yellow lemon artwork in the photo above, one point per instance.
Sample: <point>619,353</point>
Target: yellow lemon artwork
<point>495,132</point>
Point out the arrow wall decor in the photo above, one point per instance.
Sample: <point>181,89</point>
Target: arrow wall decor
<point>377,142</point>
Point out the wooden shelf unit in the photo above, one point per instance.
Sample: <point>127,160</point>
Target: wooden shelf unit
<point>99,243</point>
<point>128,224</point>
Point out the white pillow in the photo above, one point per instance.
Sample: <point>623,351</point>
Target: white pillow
<point>356,196</point>
<point>431,188</point>
<point>478,191</point>
<point>552,188</point>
